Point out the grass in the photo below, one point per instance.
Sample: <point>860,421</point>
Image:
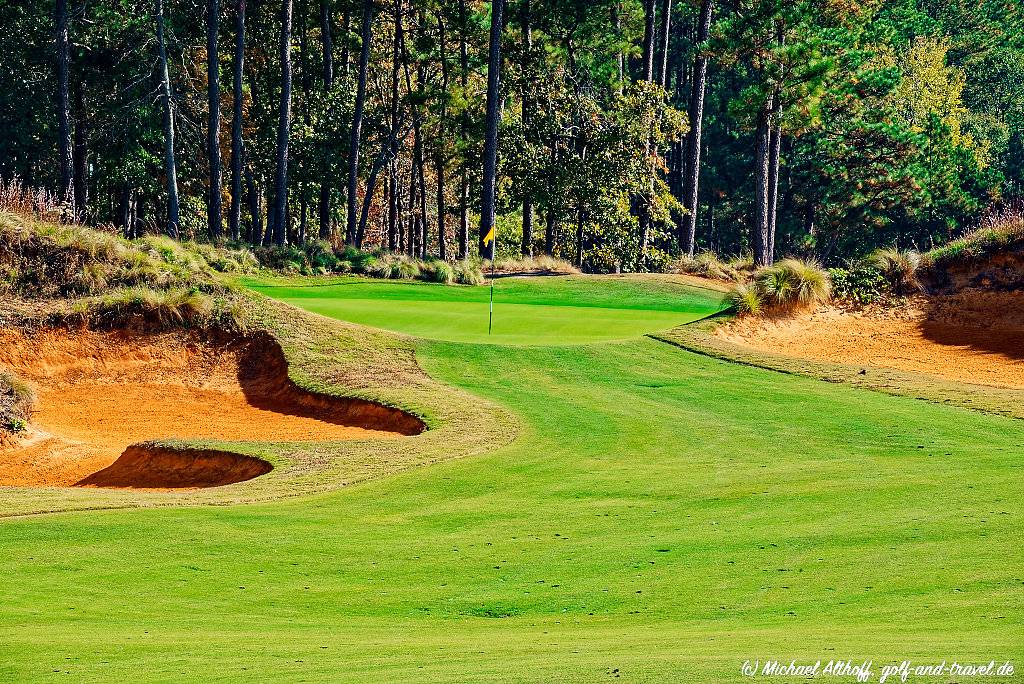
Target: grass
<point>646,515</point>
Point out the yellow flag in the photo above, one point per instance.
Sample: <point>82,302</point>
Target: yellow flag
<point>489,238</point>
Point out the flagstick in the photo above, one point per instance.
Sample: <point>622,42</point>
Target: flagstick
<point>490,315</point>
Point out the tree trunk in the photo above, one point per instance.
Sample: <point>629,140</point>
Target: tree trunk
<point>527,245</point>
<point>647,67</point>
<point>213,202</point>
<point>463,133</point>
<point>328,44</point>
<point>255,213</point>
<point>666,27</point>
<point>66,191</point>
<point>346,43</point>
<point>774,153</point>
<point>366,32</point>
<point>762,193</point>
<point>440,157</point>
<point>394,201</point>
<point>283,128</point>
<point>237,150</point>
<point>693,141</point>
<point>328,74</point>
<point>80,153</point>
<point>490,171</point>
<point>549,233</point>
<point>173,220</point>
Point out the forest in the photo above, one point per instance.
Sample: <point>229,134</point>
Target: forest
<point>614,134</point>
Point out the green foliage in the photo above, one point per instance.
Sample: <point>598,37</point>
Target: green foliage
<point>16,401</point>
<point>861,283</point>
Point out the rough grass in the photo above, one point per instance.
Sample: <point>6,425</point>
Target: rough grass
<point>541,263</point>
<point>1000,231</point>
<point>48,260</point>
<point>699,338</point>
<point>708,265</point>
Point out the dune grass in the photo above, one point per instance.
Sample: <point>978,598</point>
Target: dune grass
<point>661,516</point>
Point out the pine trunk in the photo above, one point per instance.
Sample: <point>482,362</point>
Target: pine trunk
<point>366,32</point>
<point>66,190</point>
<point>490,170</point>
<point>762,193</point>
<point>280,217</point>
<point>213,203</point>
<point>173,219</point>
<point>666,28</point>
<point>328,74</point>
<point>237,150</point>
<point>691,182</point>
<point>527,245</point>
<point>463,132</point>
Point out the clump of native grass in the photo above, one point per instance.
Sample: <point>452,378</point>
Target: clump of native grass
<point>899,268</point>
<point>16,401</point>
<point>541,263</point>
<point>708,265</point>
<point>787,285</point>
<point>168,308</point>
<point>1000,230</point>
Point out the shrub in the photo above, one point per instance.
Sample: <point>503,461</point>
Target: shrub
<point>16,400</point>
<point>791,283</point>
<point>861,283</point>
<point>541,263</point>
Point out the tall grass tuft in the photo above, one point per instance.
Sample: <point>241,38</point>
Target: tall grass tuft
<point>899,268</point>
<point>786,285</point>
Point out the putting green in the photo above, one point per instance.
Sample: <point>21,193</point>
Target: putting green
<point>555,310</point>
<point>661,517</point>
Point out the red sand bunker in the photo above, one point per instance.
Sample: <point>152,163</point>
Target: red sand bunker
<point>100,395</point>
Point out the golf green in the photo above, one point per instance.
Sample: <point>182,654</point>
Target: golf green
<point>660,517</point>
<point>563,310</point>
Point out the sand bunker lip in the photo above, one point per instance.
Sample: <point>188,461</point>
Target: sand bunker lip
<point>105,397</point>
<point>153,466</point>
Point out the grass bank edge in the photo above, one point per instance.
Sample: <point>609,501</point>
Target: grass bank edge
<point>699,337</point>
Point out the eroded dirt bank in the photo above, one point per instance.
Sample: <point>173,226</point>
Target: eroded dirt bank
<point>100,393</point>
<point>974,337</point>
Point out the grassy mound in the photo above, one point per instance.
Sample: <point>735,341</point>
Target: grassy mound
<point>991,257</point>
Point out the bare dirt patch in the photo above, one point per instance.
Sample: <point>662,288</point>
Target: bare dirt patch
<point>103,395</point>
<point>972,337</point>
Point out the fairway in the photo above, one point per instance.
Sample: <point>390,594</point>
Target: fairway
<point>655,520</point>
<point>562,310</point>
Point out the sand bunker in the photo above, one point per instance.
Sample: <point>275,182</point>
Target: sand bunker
<point>964,338</point>
<point>101,396</point>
